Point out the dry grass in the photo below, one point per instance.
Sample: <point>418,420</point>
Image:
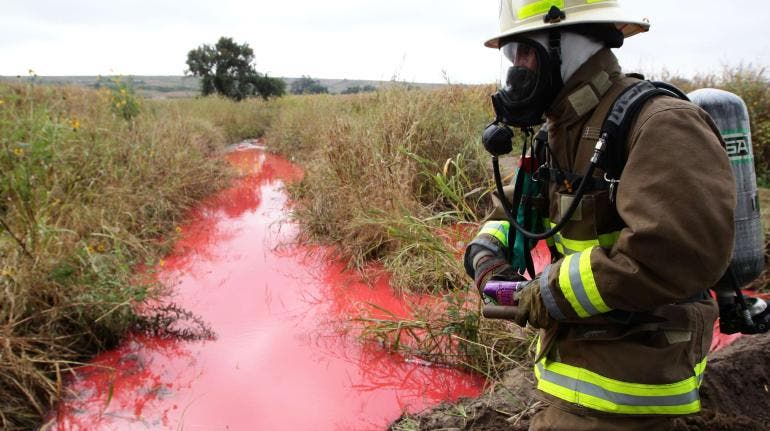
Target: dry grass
<point>93,185</point>
<point>385,172</point>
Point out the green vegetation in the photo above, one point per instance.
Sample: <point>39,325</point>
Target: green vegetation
<point>95,184</point>
<point>359,89</point>
<point>307,85</point>
<point>227,68</point>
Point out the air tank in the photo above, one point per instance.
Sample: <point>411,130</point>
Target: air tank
<point>732,118</point>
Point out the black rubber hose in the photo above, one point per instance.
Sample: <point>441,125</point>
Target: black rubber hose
<point>565,218</point>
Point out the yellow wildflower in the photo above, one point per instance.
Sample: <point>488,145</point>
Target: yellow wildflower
<point>2,102</point>
<point>100,248</point>
<point>161,262</point>
<point>122,91</point>
<point>75,124</point>
<point>18,151</point>
<point>178,229</point>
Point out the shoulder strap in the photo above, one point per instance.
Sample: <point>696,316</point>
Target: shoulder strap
<point>617,124</point>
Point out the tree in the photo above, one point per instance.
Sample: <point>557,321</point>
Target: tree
<point>227,68</point>
<point>307,85</point>
<point>358,89</point>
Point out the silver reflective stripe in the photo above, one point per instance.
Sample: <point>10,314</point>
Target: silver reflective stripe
<point>547,295</point>
<point>617,398</point>
<point>577,285</point>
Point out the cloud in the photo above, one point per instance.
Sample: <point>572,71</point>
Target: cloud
<point>343,38</point>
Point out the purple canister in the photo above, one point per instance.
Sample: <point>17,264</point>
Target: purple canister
<point>502,292</point>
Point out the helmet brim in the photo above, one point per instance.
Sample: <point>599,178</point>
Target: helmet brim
<point>628,25</point>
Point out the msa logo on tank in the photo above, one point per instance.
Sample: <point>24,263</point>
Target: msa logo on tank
<point>738,146</point>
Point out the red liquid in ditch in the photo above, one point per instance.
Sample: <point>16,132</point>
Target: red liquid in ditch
<point>283,359</point>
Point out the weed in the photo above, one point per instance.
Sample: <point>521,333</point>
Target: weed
<point>89,185</point>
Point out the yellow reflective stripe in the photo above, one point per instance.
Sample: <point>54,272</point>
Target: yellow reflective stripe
<point>607,240</point>
<point>578,285</point>
<point>589,283</point>
<point>567,246</point>
<point>498,230</point>
<point>586,388</point>
<point>565,284</point>
<point>538,7</point>
<point>699,370</point>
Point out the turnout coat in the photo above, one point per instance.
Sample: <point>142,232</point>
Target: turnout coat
<point>651,254</point>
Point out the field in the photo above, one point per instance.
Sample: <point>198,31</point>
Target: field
<point>96,182</point>
<point>175,87</point>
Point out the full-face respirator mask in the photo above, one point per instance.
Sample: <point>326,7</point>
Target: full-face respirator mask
<point>529,79</point>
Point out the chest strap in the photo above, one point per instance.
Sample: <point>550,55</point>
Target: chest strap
<point>572,180</point>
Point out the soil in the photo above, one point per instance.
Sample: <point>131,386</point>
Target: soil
<point>735,396</point>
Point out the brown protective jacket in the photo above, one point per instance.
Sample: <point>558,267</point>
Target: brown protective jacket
<point>666,239</point>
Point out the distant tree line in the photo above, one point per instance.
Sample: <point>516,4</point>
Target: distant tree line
<point>308,85</point>
<point>359,89</point>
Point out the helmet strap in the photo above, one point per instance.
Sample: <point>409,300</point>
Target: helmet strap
<point>554,50</point>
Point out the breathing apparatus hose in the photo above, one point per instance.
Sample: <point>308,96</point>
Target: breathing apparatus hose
<point>510,211</point>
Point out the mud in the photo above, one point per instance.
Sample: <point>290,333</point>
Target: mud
<point>735,397</point>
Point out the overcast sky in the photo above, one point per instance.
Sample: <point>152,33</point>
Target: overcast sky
<point>416,40</point>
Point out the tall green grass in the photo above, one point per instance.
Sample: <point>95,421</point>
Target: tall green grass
<point>94,186</point>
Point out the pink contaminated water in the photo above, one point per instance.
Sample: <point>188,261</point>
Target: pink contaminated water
<point>285,356</point>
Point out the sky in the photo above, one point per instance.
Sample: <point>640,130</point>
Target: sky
<point>416,40</point>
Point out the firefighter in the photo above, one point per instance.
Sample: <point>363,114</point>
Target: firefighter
<point>625,321</point>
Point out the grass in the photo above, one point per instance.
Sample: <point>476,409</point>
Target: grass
<point>374,184</point>
<point>94,184</point>
<point>400,177</point>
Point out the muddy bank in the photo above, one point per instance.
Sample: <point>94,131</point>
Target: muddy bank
<point>734,394</point>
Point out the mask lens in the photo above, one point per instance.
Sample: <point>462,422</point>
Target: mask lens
<point>520,68</point>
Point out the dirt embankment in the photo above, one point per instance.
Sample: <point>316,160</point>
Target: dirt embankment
<point>735,397</point>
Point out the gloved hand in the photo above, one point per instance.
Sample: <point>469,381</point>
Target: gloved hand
<point>530,308</point>
<point>494,268</point>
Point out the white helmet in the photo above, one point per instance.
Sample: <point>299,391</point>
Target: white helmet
<point>523,16</point>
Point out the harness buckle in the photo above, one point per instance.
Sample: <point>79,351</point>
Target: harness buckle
<point>613,187</point>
